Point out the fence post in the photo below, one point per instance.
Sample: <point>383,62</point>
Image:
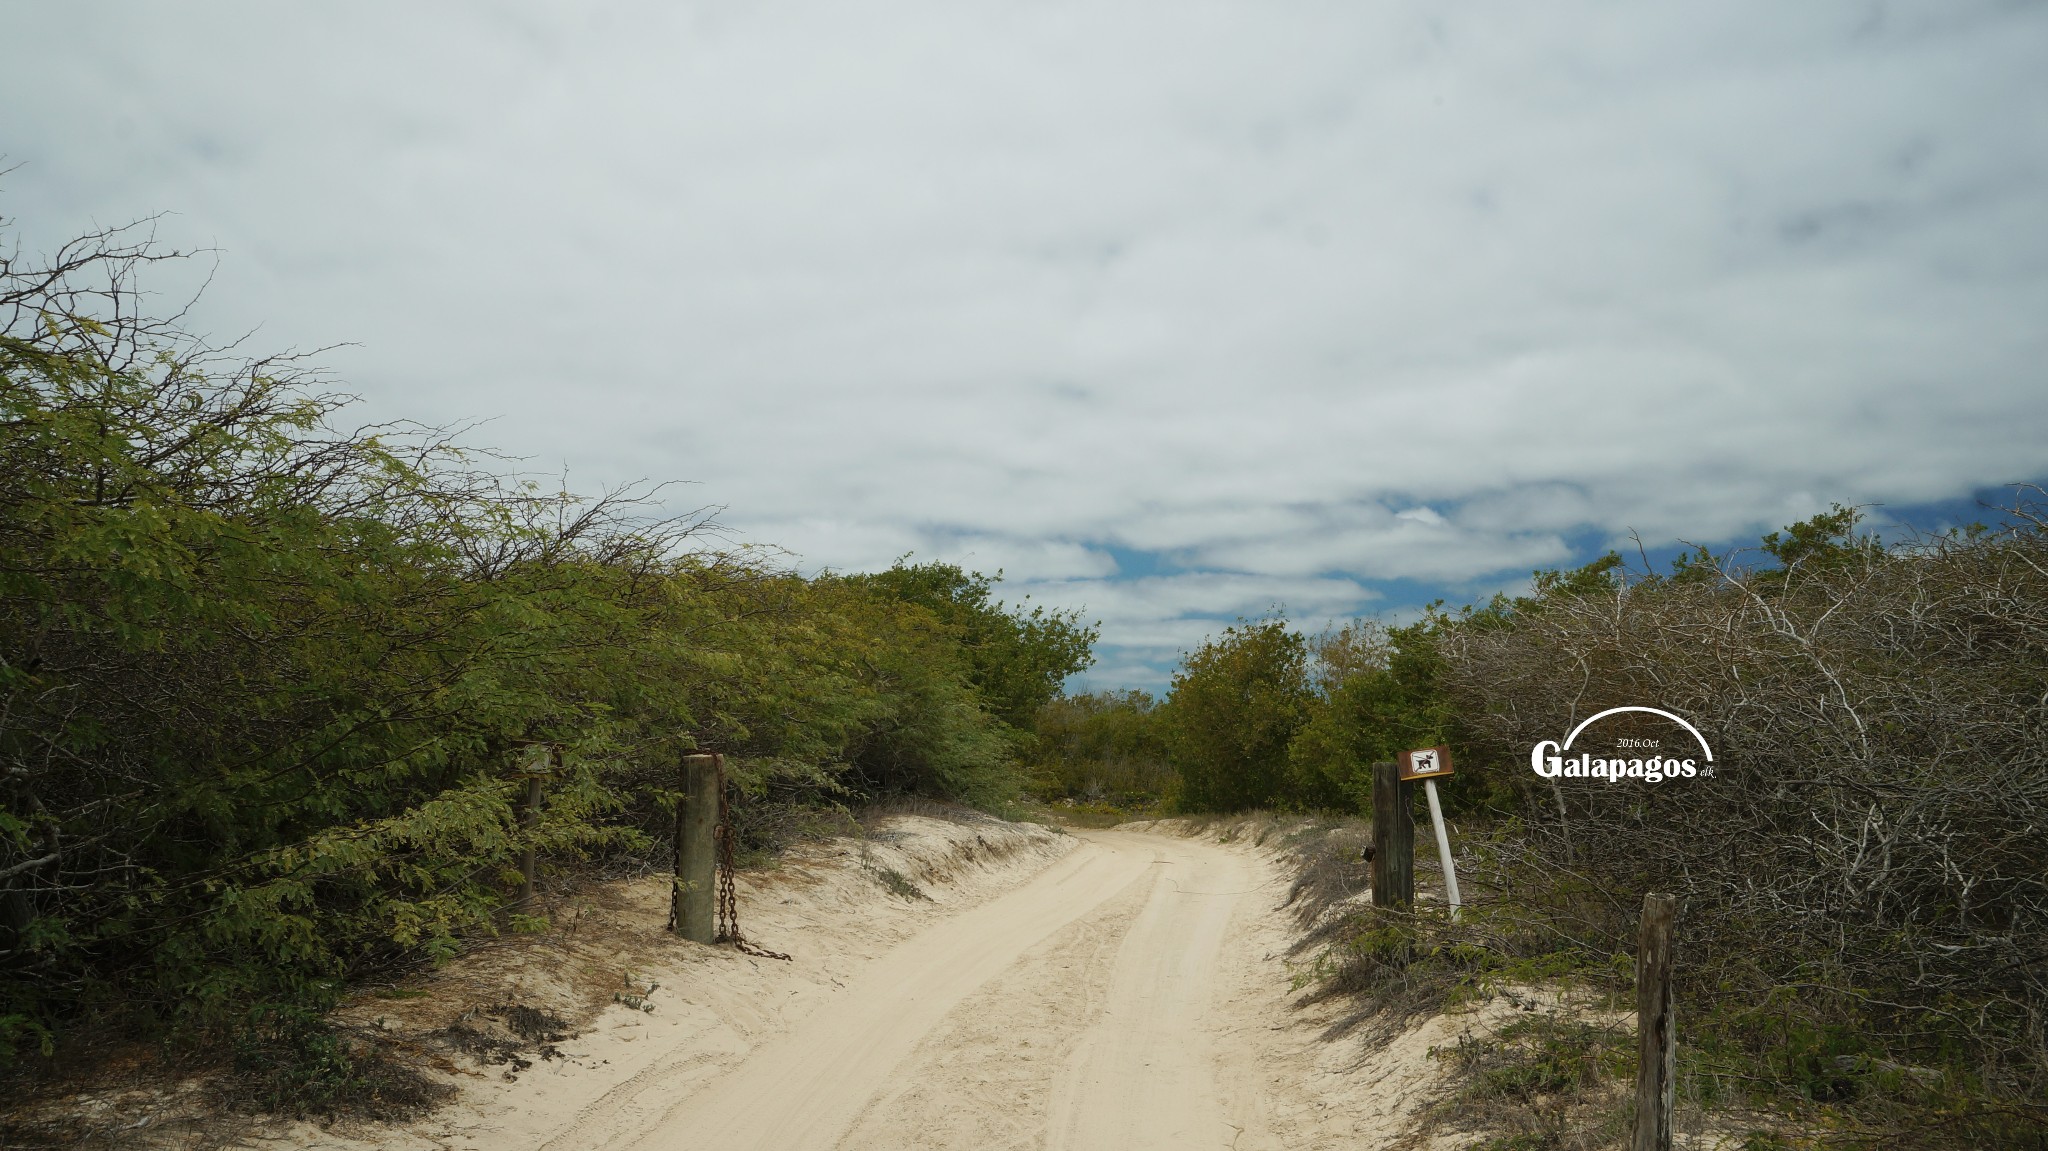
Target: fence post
<point>1393,838</point>
<point>529,861</point>
<point>1656,1025</point>
<point>537,762</point>
<point>694,903</point>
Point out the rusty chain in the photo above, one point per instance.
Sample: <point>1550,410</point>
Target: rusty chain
<point>728,897</point>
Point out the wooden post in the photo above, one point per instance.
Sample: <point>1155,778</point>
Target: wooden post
<point>695,898</point>
<point>1393,838</point>
<point>537,761</point>
<point>529,863</point>
<point>1656,1025</point>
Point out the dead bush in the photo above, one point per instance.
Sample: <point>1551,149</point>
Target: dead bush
<point>1863,866</point>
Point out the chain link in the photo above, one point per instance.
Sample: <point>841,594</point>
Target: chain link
<point>728,897</point>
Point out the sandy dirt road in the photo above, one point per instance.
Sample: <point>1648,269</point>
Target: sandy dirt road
<point>958,984</point>
<point>1088,997</point>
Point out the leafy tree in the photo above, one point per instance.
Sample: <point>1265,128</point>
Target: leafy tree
<point>1340,653</point>
<point>1102,746</point>
<point>1018,657</point>
<point>930,734</point>
<point>1377,697</point>
<point>1237,702</point>
<point>268,680</point>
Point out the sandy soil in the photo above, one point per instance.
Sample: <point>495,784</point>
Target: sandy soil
<point>1163,1018</point>
<point>1106,989</point>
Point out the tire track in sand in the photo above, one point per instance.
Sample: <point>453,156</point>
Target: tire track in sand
<point>1075,1013</point>
<point>803,1090</point>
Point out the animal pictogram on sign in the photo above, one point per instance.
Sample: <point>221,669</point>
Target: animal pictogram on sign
<point>1426,763</point>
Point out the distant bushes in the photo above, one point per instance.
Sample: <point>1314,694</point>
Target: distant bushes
<point>1260,716</point>
<point>265,681</point>
<point>1102,747</point>
<point>1237,703</point>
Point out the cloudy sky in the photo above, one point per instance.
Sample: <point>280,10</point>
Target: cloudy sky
<point>1178,311</point>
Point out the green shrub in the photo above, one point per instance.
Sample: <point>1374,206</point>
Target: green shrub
<point>270,681</point>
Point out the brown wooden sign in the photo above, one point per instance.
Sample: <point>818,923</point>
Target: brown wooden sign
<point>1426,763</point>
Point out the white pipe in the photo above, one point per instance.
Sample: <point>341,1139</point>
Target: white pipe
<point>1443,847</point>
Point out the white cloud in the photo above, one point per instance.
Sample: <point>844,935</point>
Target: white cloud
<point>1300,295</point>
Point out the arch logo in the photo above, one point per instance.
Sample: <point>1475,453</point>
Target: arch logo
<point>1553,760</point>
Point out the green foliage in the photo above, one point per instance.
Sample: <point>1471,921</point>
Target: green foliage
<point>1102,746</point>
<point>1237,702</point>
<point>1595,578</point>
<point>1533,1084</point>
<point>1825,538</point>
<point>1018,658</point>
<point>1378,697</point>
<point>1540,1055</point>
<point>268,680</point>
<point>1549,587</point>
<point>17,1031</point>
<point>930,734</point>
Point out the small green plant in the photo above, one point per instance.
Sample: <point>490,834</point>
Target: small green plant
<point>1534,1083</point>
<point>18,1031</point>
<point>897,884</point>
<point>1538,1057</point>
<point>636,997</point>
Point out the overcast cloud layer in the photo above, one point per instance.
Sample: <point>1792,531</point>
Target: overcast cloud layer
<point>1174,310</point>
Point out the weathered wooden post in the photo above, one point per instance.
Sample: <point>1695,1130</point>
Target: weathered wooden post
<point>529,859</point>
<point>538,763</point>
<point>1393,838</point>
<point>1656,1025</point>
<point>694,906</point>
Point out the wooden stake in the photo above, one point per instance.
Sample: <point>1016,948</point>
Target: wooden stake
<point>695,898</point>
<point>529,862</point>
<point>1393,838</point>
<point>1656,1025</point>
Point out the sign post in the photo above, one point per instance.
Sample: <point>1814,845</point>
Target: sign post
<point>1428,765</point>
